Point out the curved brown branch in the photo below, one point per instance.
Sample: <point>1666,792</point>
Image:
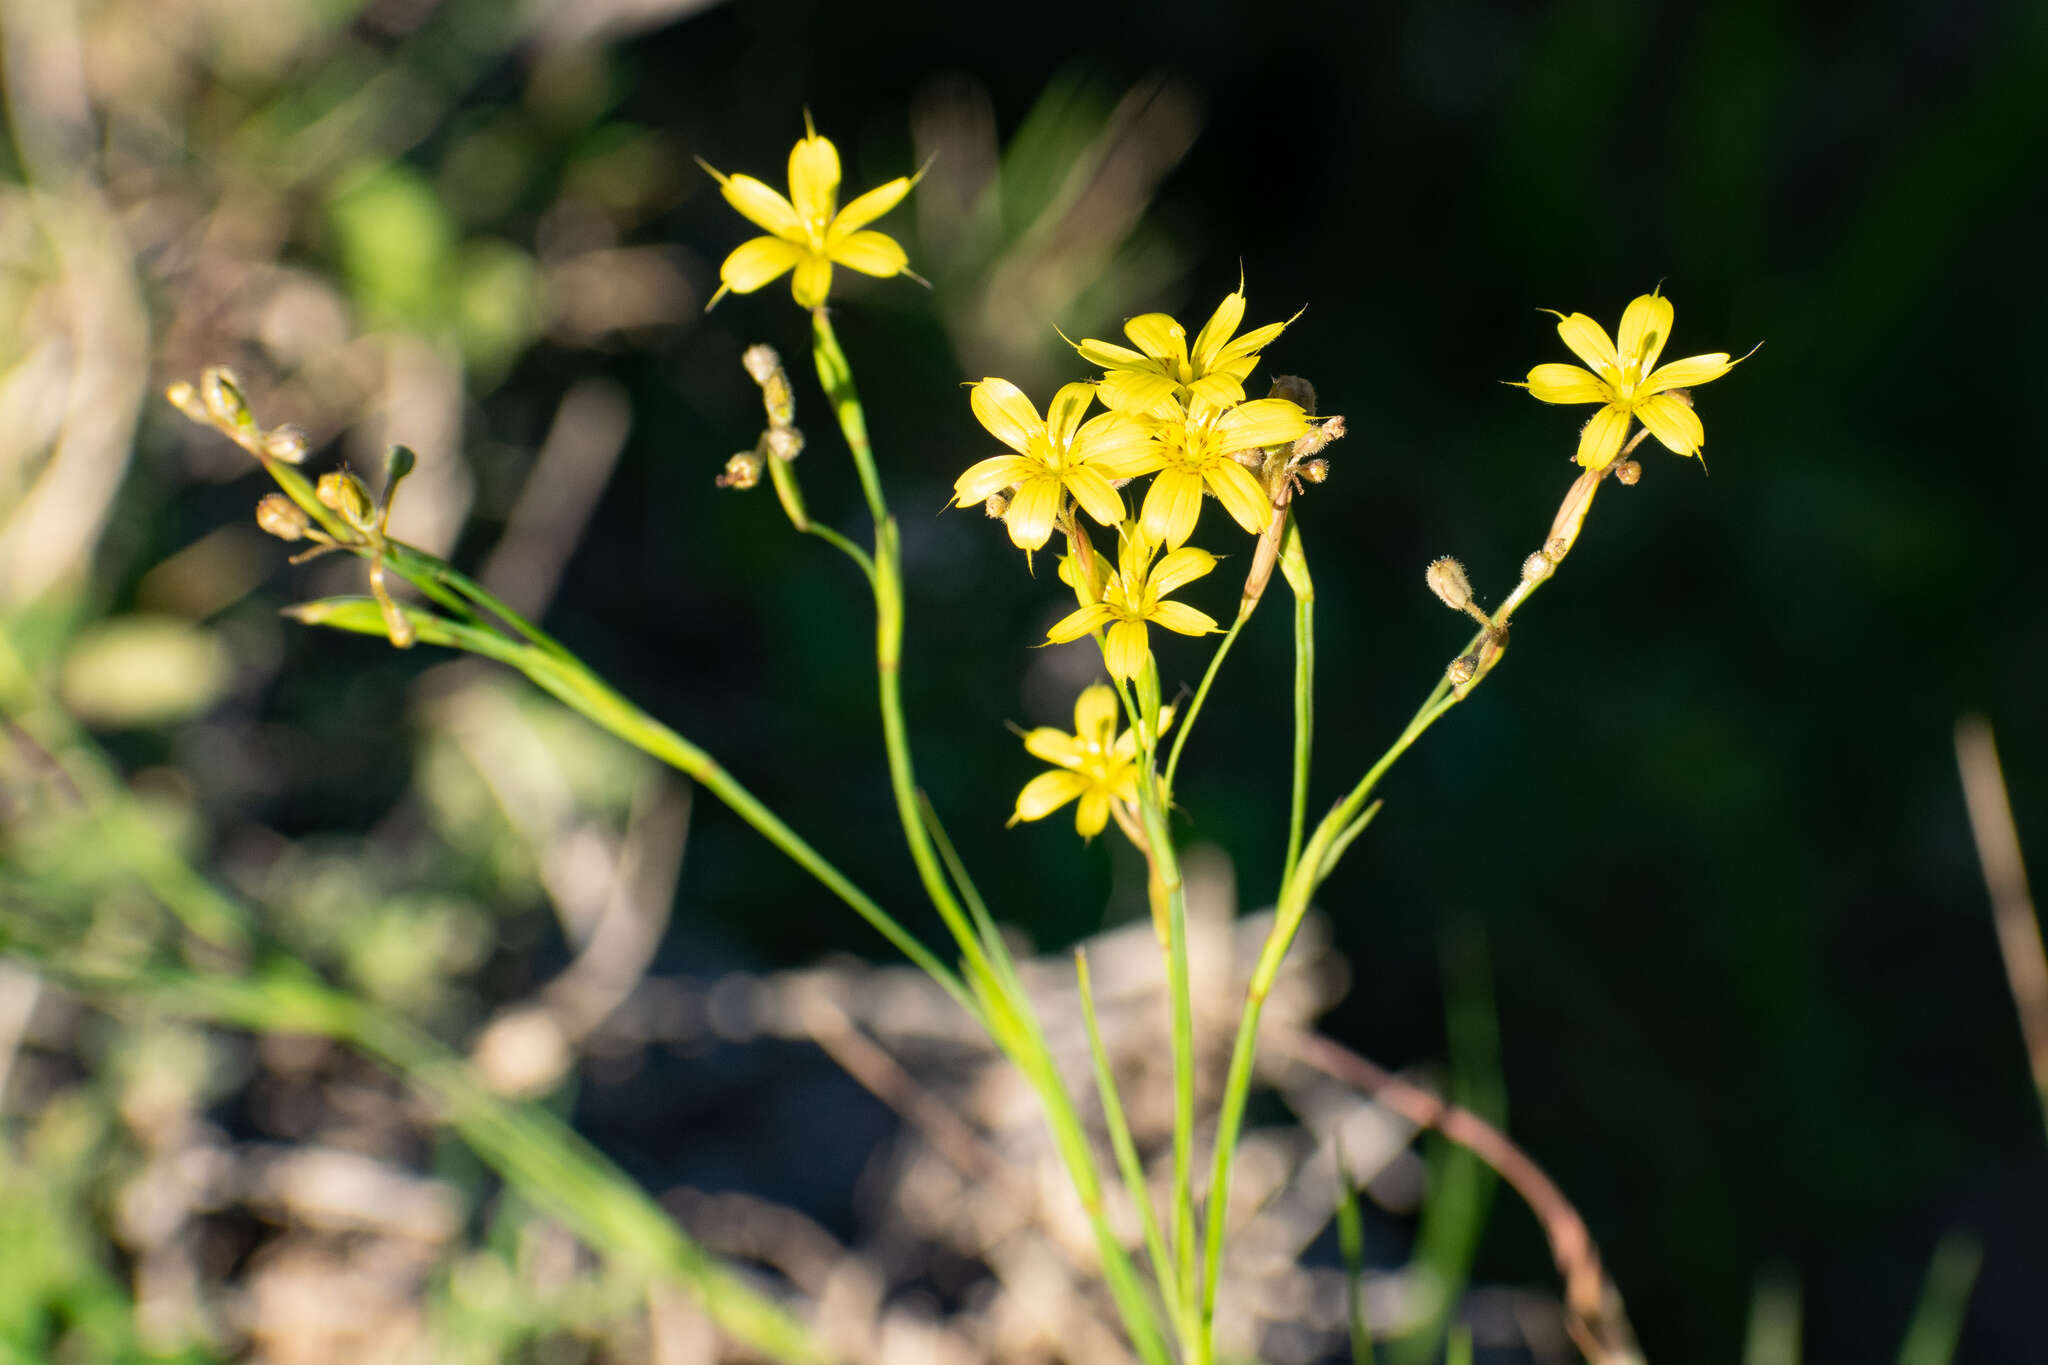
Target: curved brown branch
<point>1593,1308</point>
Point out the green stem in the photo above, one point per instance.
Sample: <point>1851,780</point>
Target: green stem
<point>1201,695</point>
<point>1294,563</point>
<point>1167,865</point>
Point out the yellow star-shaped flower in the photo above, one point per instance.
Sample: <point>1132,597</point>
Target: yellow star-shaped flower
<point>1193,452</point>
<point>1056,454</point>
<point>1094,764</point>
<point>1133,596</point>
<point>1163,370</point>
<point>1627,381</point>
<point>807,236</point>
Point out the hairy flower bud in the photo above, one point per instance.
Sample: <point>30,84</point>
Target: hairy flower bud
<point>1446,578</point>
<point>345,494</point>
<point>784,443</point>
<point>1627,473</point>
<point>742,471</point>
<point>997,504</point>
<point>286,443</point>
<point>1536,568</point>
<point>1463,669</point>
<point>282,517</point>
<point>762,362</point>
<point>1295,390</point>
<point>222,394</point>
<point>1315,471</point>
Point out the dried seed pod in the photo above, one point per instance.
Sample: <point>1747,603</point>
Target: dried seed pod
<point>286,443</point>
<point>1446,578</point>
<point>1628,473</point>
<point>282,517</point>
<point>344,492</point>
<point>742,471</point>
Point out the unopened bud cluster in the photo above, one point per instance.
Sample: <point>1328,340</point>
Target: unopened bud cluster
<point>780,441</point>
<point>217,401</point>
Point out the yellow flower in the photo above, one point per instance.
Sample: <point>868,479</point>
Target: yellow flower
<point>1628,382</point>
<point>807,235</point>
<point>1162,370</point>
<point>1193,452</point>
<point>1057,453</point>
<point>1133,596</point>
<point>1095,764</point>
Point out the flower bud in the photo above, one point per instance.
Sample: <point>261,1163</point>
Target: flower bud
<point>1628,472</point>
<point>742,471</point>
<point>1318,438</point>
<point>1295,390</point>
<point>185,399</point>
<point>282,517</point>
<point>784,443</point>
<point>1446,578</point>
<point>222,394</point>
<point>286,443</point>
<point>762,362</point>
<point>344,493</point>
<point>1536,568</point>
<point>997,504</point>
<point>1463,669</point>
<point>1315,471</point>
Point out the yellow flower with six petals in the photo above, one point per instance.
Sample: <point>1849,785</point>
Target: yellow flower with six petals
<point>1135,595</point>
<point>1094,764</point>
<point>1194,452</point>
<point>1163,370</point>
<point>806,235</point>
<point>1056,454</point>
<point>1628,382</point>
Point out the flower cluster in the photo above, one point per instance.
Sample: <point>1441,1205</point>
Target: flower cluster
<point>1171,411</point>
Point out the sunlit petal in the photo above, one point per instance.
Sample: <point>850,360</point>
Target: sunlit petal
<point>1601,439</point>
<point>1261,422</point>
<point>1588,340</point>
<point>1143,392</point>
<point>871,253</point>
<point>1220,327</point>
<point>1095,714</point>
<point>1113,442</point>
<point>1080,622</point>
<point>812,281</point>
<point>1046,793</point>
<point>1672,421</point>
<point>1250,344</point>
<point>1172,506</point>
<point>1645,327</point>
<point>1109,355</point>
<point>1180,567</point>
<point>814,181</point>
<point>1125,648</point>
<point>990,475</point>
<point>1056,747</point>
<point>762,206</point>
<point>1568,384</point>
<point>1240,495</point>
<point>1033,510</point>
<point>1182,618</point>
<point>1002,408</point>
<point>1064,413</point>
<point>757,262</point>
<point>1688,373</point>
<point>870,206</point>
<point>1093,812</point>
<point>1216,389</point>
<point>1159,336</point>
<point>1094,493</point>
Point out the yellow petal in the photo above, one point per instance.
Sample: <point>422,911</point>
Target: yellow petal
<point>1080,622</point>
<point>1261,422</point>
<point>1002,408</point>
<point>870,206</point>
<point>1064,413</point>
<point>1159,336</point>
<point>1033,510</point>
<point>1093,812</point>
<point>1056,747</point>
<point>1095,715</point>
<point>1220,327</point>
<point>1046,793</point>
<point>1600,440</point>
<point>1109,355</point>
<point>1179,567</point>
<point>1125,649</point>
<point>814,181</point>
<point>1172,506</point>
<point>1689,373</point>
<point>1248,346</point>
<point>1217,389</point>
<point>1588,340</point>
<point>1240,495</point>
<point>761,206</point>
<point>1567,384</point>
<point>1094,493</point>
<point>1645,327</point>
<point>1180,617</point>
<point>987,476</point>
<point>757,262</point>
<point>871,253</point>
<point>812,281</point>
<point>1144,393</point>
<point>1114,443</point>
<point>1672,421</point>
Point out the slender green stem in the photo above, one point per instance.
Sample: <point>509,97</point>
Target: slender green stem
<point>1133,1169</point>
<point>1294,563</point>
<point>1201,695</point>
<point>845,547</point>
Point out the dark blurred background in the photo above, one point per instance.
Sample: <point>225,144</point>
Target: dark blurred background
<point>1706,815</point>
